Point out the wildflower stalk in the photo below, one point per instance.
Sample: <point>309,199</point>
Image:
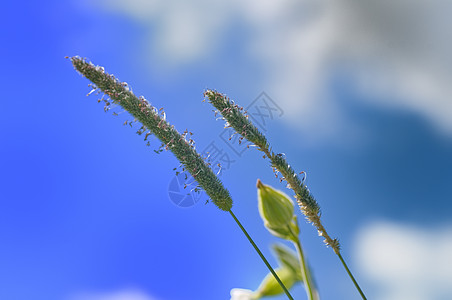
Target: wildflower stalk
<point>234,116</point>
<point>305,273</point>
<point>154,122</point>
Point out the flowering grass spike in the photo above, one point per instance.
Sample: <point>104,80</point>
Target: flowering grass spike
<point>235,117</point>
<point>155,122</point>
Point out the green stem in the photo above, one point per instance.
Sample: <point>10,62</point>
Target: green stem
<point>262,256</point>
<point>305,274</point>
<point>351,276</point>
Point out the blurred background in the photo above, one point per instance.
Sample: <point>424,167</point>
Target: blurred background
<point>364,105</point>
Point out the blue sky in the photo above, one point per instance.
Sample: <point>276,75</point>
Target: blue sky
<point>84,206</point>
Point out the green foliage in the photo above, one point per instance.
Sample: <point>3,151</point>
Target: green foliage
<point>288,259</point>
<point>270,287</point>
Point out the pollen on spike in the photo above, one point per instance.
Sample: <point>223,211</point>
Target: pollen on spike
<point>147,134</point>
<point>304,176</point>
<point>92,91</point>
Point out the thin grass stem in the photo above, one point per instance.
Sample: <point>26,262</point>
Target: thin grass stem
<point>351,276</point>
<point>305,273</point>
<point>262,256</point>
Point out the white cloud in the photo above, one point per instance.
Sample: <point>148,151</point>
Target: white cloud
<point>406,262</point>
<point>127,294</point>
<point>180,31</point>
<point>397,52</point>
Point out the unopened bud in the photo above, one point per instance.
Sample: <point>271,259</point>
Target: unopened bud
<point>275,208</point>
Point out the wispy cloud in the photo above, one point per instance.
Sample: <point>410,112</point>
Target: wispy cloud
<point>406,262</point>
<point>397,52</point>
<point>126,294</point>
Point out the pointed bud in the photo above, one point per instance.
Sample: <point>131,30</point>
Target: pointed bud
<point>276,209</point>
